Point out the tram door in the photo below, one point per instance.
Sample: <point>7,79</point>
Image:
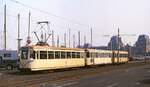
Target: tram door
<point>92,58</point>
<point>89,60</point>
<point>113,57</point>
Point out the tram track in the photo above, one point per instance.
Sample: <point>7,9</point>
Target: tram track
<point>32,80</point>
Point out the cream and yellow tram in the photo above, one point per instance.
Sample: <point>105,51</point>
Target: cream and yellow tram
<point>36,57</point>
<point>123,57</point>
<point>97,57</point>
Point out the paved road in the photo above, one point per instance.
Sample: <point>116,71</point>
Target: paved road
<point>132,77</point>
<point>125,75</point>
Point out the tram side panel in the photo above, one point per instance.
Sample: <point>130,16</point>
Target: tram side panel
<point>56,64</point>
<point>104,57</point>
<point>98,57</point>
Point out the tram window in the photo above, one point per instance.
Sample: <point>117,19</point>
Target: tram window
<point>63,55</point>
<point>110,55</point>
<point>96,55</point>
<point>99,55</point>
<point>91,55</point>
<point>102,55</point>
<point>57,54</point>
<point>43,54</point>
<point>73,55</point>
<point>120,55</point>
<point>78,54</point>
<point>24,54</point>
<point>82,55</point>
<point>32,54</point>
<point>37,54</point>
<point>115,54</point>
<point>50,55</point>
<point>87,54</point>
<point>105,55</point>
<point>124,55</point>
<point>68,54</point>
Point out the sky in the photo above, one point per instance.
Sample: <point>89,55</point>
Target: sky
<point>103,16</point>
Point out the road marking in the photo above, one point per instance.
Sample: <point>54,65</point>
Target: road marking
<point>67,84</point>
<point>112,85</point>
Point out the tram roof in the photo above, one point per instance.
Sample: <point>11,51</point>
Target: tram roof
<point>46,47</point>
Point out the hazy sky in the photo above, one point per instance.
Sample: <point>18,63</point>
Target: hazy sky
<point>104,16</point>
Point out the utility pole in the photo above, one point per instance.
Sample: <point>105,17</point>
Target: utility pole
<point>28,38</point>
<point>19,40</point>
<point>69,36</point>
<point>145,51</point>
<point>84,40</point>
<point>79,39</point>
<point>5,27</point>
<point>57,40</point>
<point>91,37</point>
<point>65,39</point>
<point>118,45</point>
<point>73,41</point>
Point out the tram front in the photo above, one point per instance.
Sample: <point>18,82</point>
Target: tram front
<point>26,58</point>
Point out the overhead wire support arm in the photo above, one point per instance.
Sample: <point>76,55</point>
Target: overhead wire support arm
<point>36,36</point>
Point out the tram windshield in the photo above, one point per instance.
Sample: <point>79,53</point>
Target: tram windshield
<point>27,53</point>
<point>24,53</point>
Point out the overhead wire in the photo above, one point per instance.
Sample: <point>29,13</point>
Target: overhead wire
<point>51,14</point>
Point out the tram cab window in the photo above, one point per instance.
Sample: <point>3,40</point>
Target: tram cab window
<point>24,54</point>
<point>68,54</point>
<point>57,54</point>
<point>50,55</point>
<point>63,55</point>
<point>43,54</point>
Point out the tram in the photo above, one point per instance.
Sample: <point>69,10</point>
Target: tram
<point>37,57</point>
